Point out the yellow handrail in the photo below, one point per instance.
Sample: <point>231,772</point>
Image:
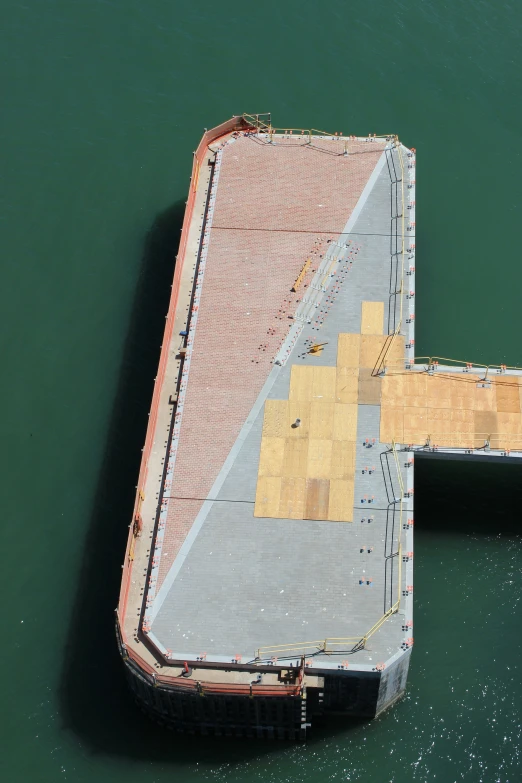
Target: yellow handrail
<point>381,364</point>
<point>256,121</point>
<point>401,485</point>
<point>432,360</point>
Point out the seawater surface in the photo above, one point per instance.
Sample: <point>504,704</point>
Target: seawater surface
<point>103,103</point>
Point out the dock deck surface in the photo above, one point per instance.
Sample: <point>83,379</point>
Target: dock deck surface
<point>226,580</point>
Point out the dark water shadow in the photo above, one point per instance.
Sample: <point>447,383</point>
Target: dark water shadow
<point>464,496</point>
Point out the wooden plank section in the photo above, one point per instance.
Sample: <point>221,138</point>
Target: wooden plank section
<point>486,423</point>
<point>298,410</point>
<point>438,392</point>
<point>321,419</point>
<point>509,423</point>
<point>462,427</point>
<point>317,492</point>
<point>348,346</point>
<point>268,492</point>
<point>271,456</point>
<point>485,399</point>
<point>340,505</point>
<point>345,422</point>
<point>414,387</point>
<point>392,425</point>
<point>275,419</point>
<point>301,382</point>
<point>508,395</point>
<point>292,500</point>
<point>462,392</point>
<point>415,425</point>
<point>295,458</point>
<point>319,459</point>
<point>343,459</point>
<point>324,382</point>
<point>372,318</point>
<point>347,385</point>
<point>438,426</point>
<point>392,392</point>
<point>372,350</point>
<point>509,431</point>
<point>369,387</point>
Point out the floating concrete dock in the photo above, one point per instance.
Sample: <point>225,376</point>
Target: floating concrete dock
<point>269,562</point>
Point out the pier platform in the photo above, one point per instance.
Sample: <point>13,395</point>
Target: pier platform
<point>271,549</point>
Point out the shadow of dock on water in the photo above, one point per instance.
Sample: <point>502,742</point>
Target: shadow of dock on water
<point>468,497</point>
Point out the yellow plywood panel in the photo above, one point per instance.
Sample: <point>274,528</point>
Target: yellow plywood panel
<point>414,384</point>
<point>438,402</point>
<point>324,383</point>
<point>452,428</point>
<point>348,350</point>
<point>392,425</point>
<point>438,392</point>
<point>343,459</point>
<point>340,506</point>
<point>485,399</point>
<point>392,392</point>
<point>508,395</point>
<point>345,422</point>
<point>486,423</point>
<point>415,402</point>
<point>369,387</point>
<point>267,496</point>
<point>321,419</point>
<point>393,353</point>
<point>319,459</point>
<point>347,384</point>
<point>372,317</point>
<point>372,350</point>
<point>440,432</point>
<point>438,414</point>
<point>271,456</point>
<point>301,382</point>
<point>462,415</point>
<point>509,432</point>
<point>298,410</point>
<point>509,423</point>
<point>293,498</point>
<point>275,420</point>
<point>439,426</point>
<point>317,492</point>
<point>415,425</point>
<point>415,418</point>
<point>295,458</point>
<point>462,392</point>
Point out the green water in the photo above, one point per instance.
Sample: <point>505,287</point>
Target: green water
<point>103,103</point>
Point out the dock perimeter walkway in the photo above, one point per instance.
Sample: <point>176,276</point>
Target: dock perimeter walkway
<point>318,565</point>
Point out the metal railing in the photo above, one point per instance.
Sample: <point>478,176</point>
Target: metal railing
<point>432,364</point>
<point>399,285</point>
<point>262,124</point>
<point>498,441</point>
